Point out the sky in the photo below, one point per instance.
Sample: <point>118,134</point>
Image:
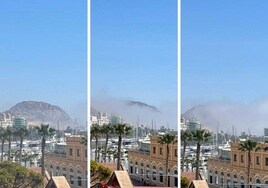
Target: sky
<point>43,54</point>
<point>134,50</point>
<point>224,51</point>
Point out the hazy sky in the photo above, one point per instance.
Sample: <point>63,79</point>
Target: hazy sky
<point>134,50</point>
<point>43,53</point>
<point>224,51</point>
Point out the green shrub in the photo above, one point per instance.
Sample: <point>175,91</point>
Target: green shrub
<point>184,182</point>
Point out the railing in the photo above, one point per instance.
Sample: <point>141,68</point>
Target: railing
<point>55,154</point>
<point>139,152</point>
<point>219,160</point>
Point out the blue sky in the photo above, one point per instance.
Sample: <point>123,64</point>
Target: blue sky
<point>224,51</point>
<point>43,52</point>
<point>134,50</point>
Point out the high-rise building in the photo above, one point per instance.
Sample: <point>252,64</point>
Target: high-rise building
<point>265,131</point>
<point>19,122</point>
<point>116,120</point>
<point>193,125</point>
<point>100,118</point>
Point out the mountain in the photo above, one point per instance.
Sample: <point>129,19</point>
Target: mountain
<point>41,112</point>
<point>142,105</point>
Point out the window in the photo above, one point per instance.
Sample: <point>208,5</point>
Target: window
<point>79,181</point>
<point>176,178</point>
<point>154,175</point>
<point>71,179</point>
<point>71,152</point>
<point>257,160</point>
<point>161,151</point>
<point>266,161</point>
<point>161,177</point>
<point>176,153</point>
<point>78,152</point>
<point>242,158</point>
<point>234,157</point>
<point>153,149</point>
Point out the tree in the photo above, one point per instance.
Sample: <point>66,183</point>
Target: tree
<point>184,182</point>
<point>3,137</point>
<point>21,132</point>
<point>249,146</point>
<point>106,129</point>
<point>121,130</point>
<point>13,175</point>
<point>9,134</point>
<point>44,131</point>
<point>185,137</point>
<point>200,136</point>
<point>167,139</point>
<point>95,133</point>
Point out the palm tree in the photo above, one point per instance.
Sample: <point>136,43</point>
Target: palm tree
<point>167,139</point>
<point>249,146</point>
<point>44,131</point>
<point>121,130</point>
<point>3,137</point>
<point>9,134</point>
<point>106,129</point>
<point>185,136</point>
<point>200,136</point>
<point>21,133</point>
<point>95,133</point>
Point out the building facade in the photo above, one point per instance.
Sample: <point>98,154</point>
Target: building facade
<point>19,122</point>
<point>71,163</point>
<point>100,119</point>
<point>149,165</point>
<point>231,172</point>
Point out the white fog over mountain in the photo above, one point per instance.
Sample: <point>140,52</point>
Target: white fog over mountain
<point>251,117</point>
<point>164,114</point>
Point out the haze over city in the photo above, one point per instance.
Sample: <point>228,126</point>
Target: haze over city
<point>224,61</point>
<point>134,57</point>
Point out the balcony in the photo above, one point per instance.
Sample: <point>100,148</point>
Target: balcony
<point>218,160</point>
<point>56,155</point>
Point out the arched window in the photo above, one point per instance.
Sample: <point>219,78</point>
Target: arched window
<point>136,168</point>
<point>64,173</point>
<point>222,178</point>
<point>235,181</point>
<point>242,181</point>
<point>131,167</point>
<point>154,172</point>
<point>57,170</point>
<point>216,177</point>
<point>51,171</point>
<point>79,178</point>
<point>71,176</point>
<point>141,169</point>
<point>258,183</point>
<point>148,171</point>
<point>175,178</point>
<point>161,174</point>
<point>228,181</point>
